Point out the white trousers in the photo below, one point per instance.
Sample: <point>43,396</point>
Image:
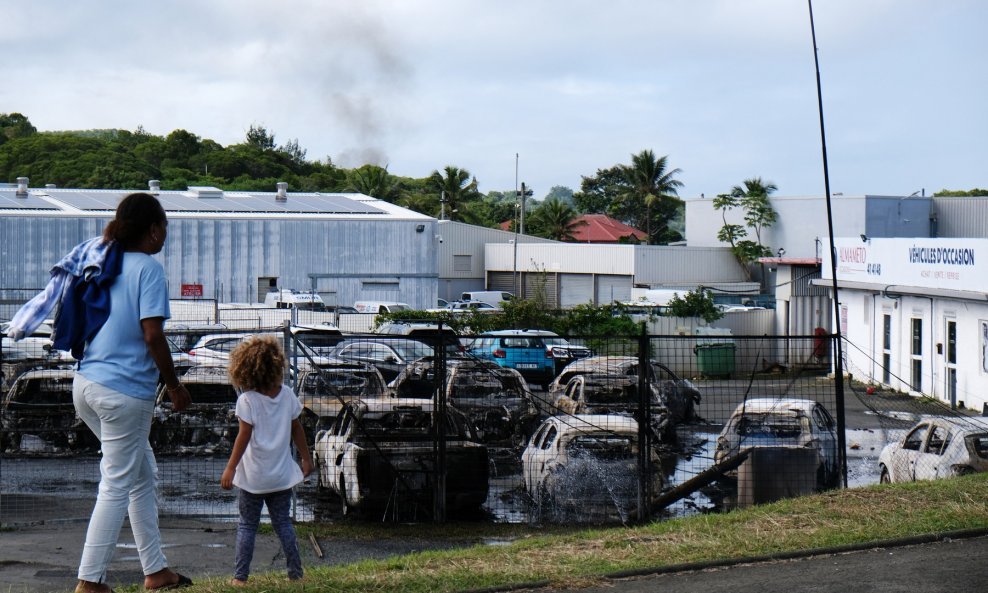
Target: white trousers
<point>128,474</point>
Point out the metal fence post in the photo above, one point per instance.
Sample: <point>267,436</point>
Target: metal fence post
<point>644,429</point>
<point>439,498</point>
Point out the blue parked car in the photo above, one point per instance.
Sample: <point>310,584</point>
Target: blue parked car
<point>535,353</point>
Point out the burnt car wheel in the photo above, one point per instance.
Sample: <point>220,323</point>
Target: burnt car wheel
<point>886,478</point>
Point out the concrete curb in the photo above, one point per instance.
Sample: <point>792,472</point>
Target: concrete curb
<point>697,566</point>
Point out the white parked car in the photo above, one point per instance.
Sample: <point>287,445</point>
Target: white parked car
<point>937,448</point>
<point>38,344</point>
<point>587,462</point>
<point>783,422</point>
<point>215,349</point>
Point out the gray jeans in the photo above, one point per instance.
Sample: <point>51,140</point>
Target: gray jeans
<point>279,509</point>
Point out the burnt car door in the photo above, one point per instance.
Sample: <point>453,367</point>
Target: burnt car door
<point>929,460</point>
<point>903,459</point>
<point>540,456</point>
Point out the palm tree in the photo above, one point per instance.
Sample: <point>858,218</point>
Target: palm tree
<point>375,182</point>
<point>456,189</point>
<point>652,186</point>
<point>555,219</point>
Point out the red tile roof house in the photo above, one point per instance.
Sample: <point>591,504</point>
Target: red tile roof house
<point>600,228</point>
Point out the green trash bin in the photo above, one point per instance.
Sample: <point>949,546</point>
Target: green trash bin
<point>715,360</point>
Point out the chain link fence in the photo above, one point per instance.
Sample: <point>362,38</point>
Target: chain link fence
<point>510,426</point>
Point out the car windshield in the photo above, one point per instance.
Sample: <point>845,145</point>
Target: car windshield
<point>319,342</point>
<point>610,391</point>
<point>412,350</point>
<point>402,424</point>
<point>601,446</point>
<point>45,392</point>
<point>212,394</point>
<point>770,425</point>
<point>347,383</point>
<point>486,383</point>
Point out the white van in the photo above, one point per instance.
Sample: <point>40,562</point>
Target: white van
<point>287,299</point>
<point>380,307</point>
<point>492,297</point>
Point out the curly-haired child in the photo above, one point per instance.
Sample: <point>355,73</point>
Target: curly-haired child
<point>261,463</point>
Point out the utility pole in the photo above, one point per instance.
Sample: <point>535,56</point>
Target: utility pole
<point>514,270</point>
<point>521,217</point>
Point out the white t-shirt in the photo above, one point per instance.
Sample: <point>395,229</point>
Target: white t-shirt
<point>267,464</point>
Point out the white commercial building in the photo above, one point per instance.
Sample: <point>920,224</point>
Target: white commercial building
<point>914,313</point>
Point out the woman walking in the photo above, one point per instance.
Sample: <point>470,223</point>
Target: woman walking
<point>114,393</point>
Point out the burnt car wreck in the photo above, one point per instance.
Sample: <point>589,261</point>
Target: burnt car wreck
<point>378,455</point>
<point>38,414</point>
<point>677,395</point>
<point>208,425</point>
<point>325,389</point>
<point>495,399</point>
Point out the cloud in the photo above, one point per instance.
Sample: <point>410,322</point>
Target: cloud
<point>725,88</point>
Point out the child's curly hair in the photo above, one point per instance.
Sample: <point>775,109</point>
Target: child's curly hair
<point>258,363</point>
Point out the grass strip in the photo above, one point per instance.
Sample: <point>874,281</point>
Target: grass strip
<point>576,558</point>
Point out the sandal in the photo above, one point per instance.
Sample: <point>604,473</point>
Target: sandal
<point>183,581</point>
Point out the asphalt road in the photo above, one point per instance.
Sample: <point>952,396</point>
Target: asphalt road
<point>43,559</point>
<point>945,566</point>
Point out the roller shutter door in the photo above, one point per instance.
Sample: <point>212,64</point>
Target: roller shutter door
<point>613,288</point>
<point>575,289</point>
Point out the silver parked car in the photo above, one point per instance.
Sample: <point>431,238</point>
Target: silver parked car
<point>937,448</point>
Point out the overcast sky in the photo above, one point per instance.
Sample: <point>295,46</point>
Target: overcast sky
<point>725,88</point>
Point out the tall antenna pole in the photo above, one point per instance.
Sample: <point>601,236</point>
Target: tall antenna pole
<point>514,270</point>
<point>839,363</point>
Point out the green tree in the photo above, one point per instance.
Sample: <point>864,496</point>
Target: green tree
<point>651,186</point>
<point>375,182</point>
<point>456,190</point>
<point>953,193</point>
<point>293,151</point>
<point>555,219</point>
<point>561,193</point>
<point>600,192</point>
<point>695,303</point>
<point>752,198</point>
<point>259,137</point>
<point>15,125</point>
<point>496,208</point>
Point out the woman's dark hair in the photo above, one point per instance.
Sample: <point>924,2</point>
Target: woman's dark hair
<point>136,213</point>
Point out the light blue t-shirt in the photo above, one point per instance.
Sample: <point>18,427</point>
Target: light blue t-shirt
<point>117,357</point>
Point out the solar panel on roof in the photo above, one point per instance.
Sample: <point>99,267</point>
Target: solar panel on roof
<point>10,201</point>
<point>234,202</point>
<point>84,200</point>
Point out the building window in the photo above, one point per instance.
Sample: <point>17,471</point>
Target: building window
<point>917,352</point>
<point>380,285</point>
<point>886,349</point>
<point>462,263</point>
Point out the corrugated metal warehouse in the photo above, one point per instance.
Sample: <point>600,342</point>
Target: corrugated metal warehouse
<point>574,274</point>
<point>234,246</point>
